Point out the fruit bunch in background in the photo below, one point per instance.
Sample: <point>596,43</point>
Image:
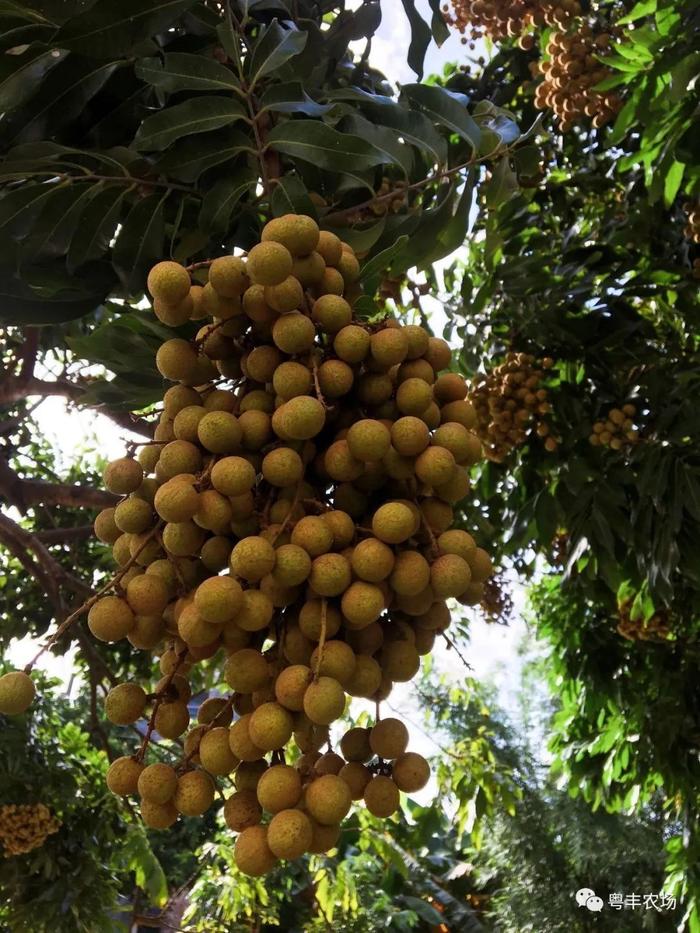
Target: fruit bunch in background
<point>618,430</point>
<point>570,74</point>
<point>691,230</point>
<point>291,530</point>
<point>510,402</point>
<point>24,827</point>
<point>497,19</point>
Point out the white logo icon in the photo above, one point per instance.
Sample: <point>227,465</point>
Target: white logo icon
<point>586,897</point>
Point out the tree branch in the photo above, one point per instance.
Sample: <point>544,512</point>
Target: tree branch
<point>35,491</point>
<point>63,535</point>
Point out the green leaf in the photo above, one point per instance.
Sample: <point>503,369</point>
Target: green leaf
<point>21,74</point>
<point>445,108</point>
<point>423,909</point>
<point>97,226</point>
<point>221,199</point>
<point>313,141</point>
<point>140,242</point>
<point>189,158</point>
<point>54,296</point>
<point>19,207</point>
<point>290,196</point>
<point>54,227</point>
<point>291,97</point>
<point>61,98</point>
<point>420,37</point>
<point>181,71</point>
<point>372,269</point>
<point>438,26</point>
<point>107,28</point>
<point>672,182</point>
<point>638,11</point>
<point>502,185</point>
<point>197,115</point>
<point>275,46</point>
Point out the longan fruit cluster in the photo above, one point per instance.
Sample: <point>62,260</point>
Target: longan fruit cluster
<point>24,827</point>
<point>657,628</point>
<point>291,529</point>
<point>691,231</point>
<point>618,429</point>
<point>382,203</point>
<point>570,74</point>
<point>510,401</point>
<point>500,20</point>
<point>496,603</point>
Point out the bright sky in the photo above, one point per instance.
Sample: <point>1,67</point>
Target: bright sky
<point>492,650</point>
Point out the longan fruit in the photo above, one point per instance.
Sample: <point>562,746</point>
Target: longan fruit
<point>242,810</point>
<point>297,232</point>
<point>124,703</point>
<point>355,745</point>
<point>215,752</point>
<point>332,313</point>
<point>400,661</point>
<point>368,440</point>
<point>269,263</point>
<point>246,670</point>
<point>324,700</point>
<point>410,772</point>
<point>169,282</point>
<point>157,783</point>
<point>279,788</point>
<point>252,854</point>
<point>381,796</point>
<point>123,476</point>
<point>328,799</point>
<point>352,343</point>
<point>388,738</point>
<point>289,834</point>
<point>123,775</point>
<point>372,560</point>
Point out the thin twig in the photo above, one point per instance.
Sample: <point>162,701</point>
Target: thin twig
<point>322,639</point>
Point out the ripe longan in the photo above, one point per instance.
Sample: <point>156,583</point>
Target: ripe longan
<point>242,810</point>
<point>382,796</point>
<point>252,854</point>
<point>328,799</point>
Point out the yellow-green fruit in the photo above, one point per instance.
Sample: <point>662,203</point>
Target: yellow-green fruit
<point>123,775</point>
<point>437,514</point>
<point>366,640</point>
<point>220,432</point>
<point>172,719</point>
<point>293,333</point>
<point>269,263</point>
<point>261,363</point>
<point>147,595</point>
<point>176,501</point>
<point>233,476</point>
<point>309,270</point>
<point>110,618</point>
<point>177,361</point>
<point>355,745</point>
<point>285,297</point>
<point>330,575</point>
<point>297,232</point>
<point>123,476</point>
<point>339,463</point>
<point>158,815</point>
<point>282,467</point>
<point>348,266</point>
<point>157,783</point>
<point>341,525</point>
<point>169,282</point>
<point>382,796</point>
<point>438,353</point>
<point>435,466</point>
<point>227,275</point>
<point>194,630</point>
<point>218,599</point>
<point>400,661</point>
<point>372,560</point>
<point>290,686</point>
<point>292,565</point>
<point>357,777</point>
<point>252,854</point>
<point>328,799</point>
<point>337,661</point>
<point>313,535</point>
<point>215,708</point>
<point>416,369</point>
<point>436,618</point>
<point>335,378</point>
<point>183,539</point>
<point>332,313</point>
<point>388,738</point>
<point>257,429</point>
<point>174,315</point>
<point>17,692</point>
<point>291,379</point>
<point>248,773</point>
<point>187,421</point>
<point>178,397</point>
<point>450,387</point>
<point>324,701</point>
<point>362,603</point>
<point>324,837</point>
<point>352,343</point>
<point>289,834</point>
<point>393,522</point>
<point>410,436</point>
<point>279,788</point>
<point>411,574</point>
<point>456,488</point>
<point>311,619</point>
<point>124,703</point>
<point>147,632</point>
<point>458,440</point>
<point>246,670</point>
<point>270,726</point>
<point>410,772</point>
<point>215,752</point>
<point>240,741</point>
<point>252,558</point>
<point>179,457</point>
<point>299,419</point>
<point>418,340</point>
<point>462,412</point>
<point>480,564</point>
<point>389,347</point>
<point>105,527</point>
<point>331,283</point>
<point>413,397</point>
<point>450,575</point>
<point>194,793</point>
<point>330,247</point>
<point>330,763</point>
<point>368,440</point>
<point>366,677</point>
<point>242,810</point>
